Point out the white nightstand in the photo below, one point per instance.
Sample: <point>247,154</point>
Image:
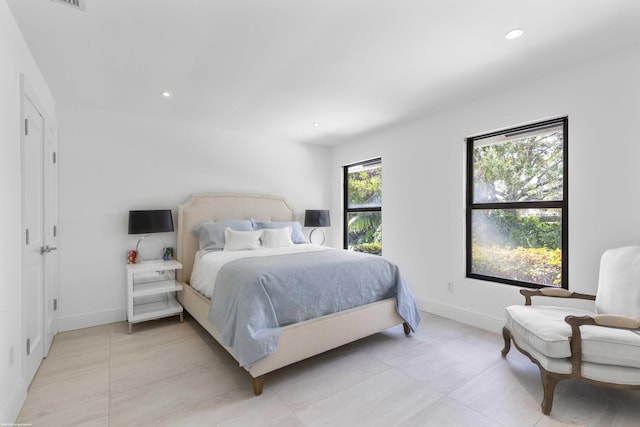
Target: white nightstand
<point>151,291</point>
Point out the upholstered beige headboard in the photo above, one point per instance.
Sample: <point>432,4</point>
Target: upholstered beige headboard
<point>205,207</point>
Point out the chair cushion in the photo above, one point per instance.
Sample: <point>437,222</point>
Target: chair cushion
<point>544,329</point>
<point>560,365</point>
<point>610,346</point>
<point>611,374</point>
<point>619,282</point>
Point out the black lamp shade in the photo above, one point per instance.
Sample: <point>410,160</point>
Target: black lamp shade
<point>150,221</point>
<point>317,218</point>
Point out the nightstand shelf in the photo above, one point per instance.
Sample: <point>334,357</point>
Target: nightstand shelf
<point>151,289</point>
<point>156,310</point>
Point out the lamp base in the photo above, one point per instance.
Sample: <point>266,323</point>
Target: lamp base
<point>150,249</point>
<point>311,236</point>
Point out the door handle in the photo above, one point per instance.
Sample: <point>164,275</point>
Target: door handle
<point>47,249</point>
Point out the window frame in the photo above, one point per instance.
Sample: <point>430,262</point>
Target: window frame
<point>345,201</point>
<point>563,204</point>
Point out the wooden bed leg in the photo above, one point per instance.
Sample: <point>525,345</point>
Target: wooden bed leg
<point>407,329</point>
<point>507,341</point>
<point>258,383</point>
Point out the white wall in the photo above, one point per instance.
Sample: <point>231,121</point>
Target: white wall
<point>111,162</point>
<point>424,181</point>
<point>16,60</point>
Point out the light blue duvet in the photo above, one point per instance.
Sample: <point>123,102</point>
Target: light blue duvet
<point>254,297</point>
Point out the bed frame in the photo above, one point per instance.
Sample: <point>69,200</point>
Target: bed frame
<point>298,341</point>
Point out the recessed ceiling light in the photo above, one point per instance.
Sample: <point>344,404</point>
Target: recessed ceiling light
<point>166,94</point>
<point>514,34</point>
<point>316,124</point>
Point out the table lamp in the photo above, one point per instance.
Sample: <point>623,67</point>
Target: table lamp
<point>150,248</point>
<point>317,218</point>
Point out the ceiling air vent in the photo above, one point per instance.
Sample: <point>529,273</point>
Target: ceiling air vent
<point>76,4</point>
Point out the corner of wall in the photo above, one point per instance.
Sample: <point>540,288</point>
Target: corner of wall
<point>473,318</point>
<point>11,409</point>
<point>88,320</point>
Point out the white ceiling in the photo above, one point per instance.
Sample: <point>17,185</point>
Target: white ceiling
<point>274,67</point>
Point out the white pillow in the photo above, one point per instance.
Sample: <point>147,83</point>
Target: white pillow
<point>276,237</point>
<point>241,240</point>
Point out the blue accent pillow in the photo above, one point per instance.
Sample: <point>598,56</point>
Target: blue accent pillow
<point>296,229</point>
<point>211,234</point>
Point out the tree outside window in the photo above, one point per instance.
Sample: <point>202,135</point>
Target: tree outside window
<point>517,205</point>
<point>363,206</point>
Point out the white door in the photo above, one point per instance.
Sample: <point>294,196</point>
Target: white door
<point>50,236</point>
<point>33,240</point>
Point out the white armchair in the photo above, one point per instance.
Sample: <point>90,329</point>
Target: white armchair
<point>601,347</point>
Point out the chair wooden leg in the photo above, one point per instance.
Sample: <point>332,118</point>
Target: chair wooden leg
<point>507,341</point>
<point>407,329</point>
<point>258,384</point>
<point>549,381</point>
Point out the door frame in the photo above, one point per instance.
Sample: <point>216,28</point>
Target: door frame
<point>50,286</point>
<point>51,221</point>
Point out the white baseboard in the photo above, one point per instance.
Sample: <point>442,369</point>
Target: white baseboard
<point>12,407</point>
<point>88,320</point>
<point>474,318</point>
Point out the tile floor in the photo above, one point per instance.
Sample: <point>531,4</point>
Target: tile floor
<point>173,374</point>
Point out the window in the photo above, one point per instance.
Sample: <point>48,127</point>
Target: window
<point>363,206</point>
<point>517,209</point>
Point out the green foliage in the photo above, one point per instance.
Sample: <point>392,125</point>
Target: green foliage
<point>532,265</point>
<point>521,244</point>
<point>365,187</point>
<point>365,190</point>
<point>506,228</point>
<point>365,227</point>
<point>370,248</point>
<point>519,170</point>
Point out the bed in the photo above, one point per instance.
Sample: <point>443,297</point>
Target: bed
<point>297,341</point>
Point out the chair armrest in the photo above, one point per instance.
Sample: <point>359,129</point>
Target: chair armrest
<point>604,320</point>
<point>553,292</point>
